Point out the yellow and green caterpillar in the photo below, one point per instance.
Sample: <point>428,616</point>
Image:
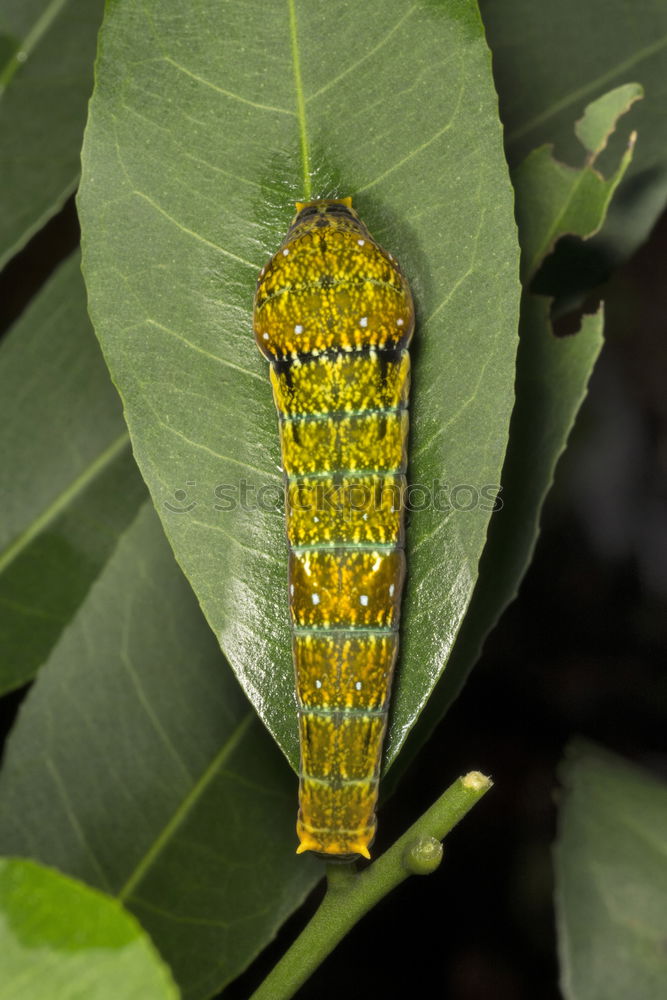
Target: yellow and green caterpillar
<point>334,316</point>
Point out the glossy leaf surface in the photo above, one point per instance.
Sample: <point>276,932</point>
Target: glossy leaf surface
<point>194,155</point>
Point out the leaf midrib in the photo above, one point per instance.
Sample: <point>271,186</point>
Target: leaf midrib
<point>50,513</point>
<point>184,808</point>
<point>589,88</point>
<point>300,102</point>
<point>40,27</point>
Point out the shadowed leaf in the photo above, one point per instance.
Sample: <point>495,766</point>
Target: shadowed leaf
<point>67,458</point>
<point>611,879</point>
<point>554,199</point>
<point>551,382</point>
<point>137,765</point>
<point>552,59</point>
<point>46,77</point>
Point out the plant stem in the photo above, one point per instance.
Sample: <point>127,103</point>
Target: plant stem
<point>350,895</point>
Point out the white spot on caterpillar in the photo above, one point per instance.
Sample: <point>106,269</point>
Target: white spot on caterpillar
<point>361,242</point>
<point>316,519</point>
<point>392,588</point>
<point>363,599</point>
<point>363,321</point>
<point>291,589</point>
<point>265,336</point>
<point>285,253</point>
<point>315,598</point>
<point>358,685</point>
<point>298,328</point>
<point>399,322</point>
<point>318,683</point>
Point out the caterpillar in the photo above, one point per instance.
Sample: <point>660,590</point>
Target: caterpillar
<point>334,315</point>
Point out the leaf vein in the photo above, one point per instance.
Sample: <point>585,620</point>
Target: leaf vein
<point>143,701</point>
<point>226,93</point>
<point>191,232</point>
<point>50,513</point>
<point>367,55</point>
<point>181,813</point>
<point>74,822</point>
<point>207,354</point>
<point>569,99</point>
<point>415,152</point>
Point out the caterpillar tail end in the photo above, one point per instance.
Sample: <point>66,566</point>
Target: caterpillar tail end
<point>333,845</point>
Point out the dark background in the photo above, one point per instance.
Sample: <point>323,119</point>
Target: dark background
<point>581,652</point>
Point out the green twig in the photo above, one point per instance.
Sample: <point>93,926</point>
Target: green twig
<point>350,895</point>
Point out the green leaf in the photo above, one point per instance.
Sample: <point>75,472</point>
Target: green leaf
<point>553,199</point>
<point>551,382</point>
<point>73,484</point>
<point>62,940</point>
<point>45,81</point>
<point>551,59</point>
<point>196,148</point>
<point>137,765</point>
<point>611,879</point>
<point>599,118</point>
